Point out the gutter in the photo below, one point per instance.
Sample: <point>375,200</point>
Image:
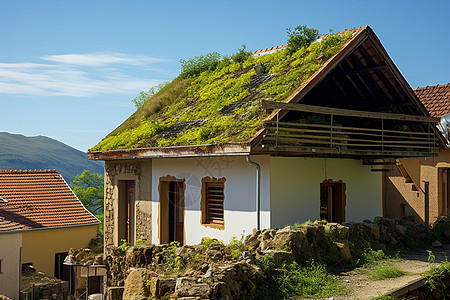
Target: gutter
<point>46,228</point>
<point>258,190</point>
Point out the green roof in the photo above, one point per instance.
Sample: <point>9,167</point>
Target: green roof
<point>221,106</point>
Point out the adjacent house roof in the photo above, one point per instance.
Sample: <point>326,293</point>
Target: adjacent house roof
<point>222,111</point>
<point>435,98</point>
<point>39,200</point>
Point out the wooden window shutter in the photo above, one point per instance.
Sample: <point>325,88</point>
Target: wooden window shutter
<point>214,202</point>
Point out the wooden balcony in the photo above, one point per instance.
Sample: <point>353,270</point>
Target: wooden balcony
<point>378,137</point>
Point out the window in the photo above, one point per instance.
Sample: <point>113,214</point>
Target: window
<point>213,196</point>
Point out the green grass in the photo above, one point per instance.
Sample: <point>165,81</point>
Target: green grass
<point>312,281</point>
<point>383,271</point>
<point>294,280</point>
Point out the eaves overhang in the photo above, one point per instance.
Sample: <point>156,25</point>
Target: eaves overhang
<point>228,149</point>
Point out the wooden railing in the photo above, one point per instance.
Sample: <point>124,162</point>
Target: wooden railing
<point>341,138</point>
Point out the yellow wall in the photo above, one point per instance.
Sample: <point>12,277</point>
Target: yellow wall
<point>399,193</point>
<point>40,246</point>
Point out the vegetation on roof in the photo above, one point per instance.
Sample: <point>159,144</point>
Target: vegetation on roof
<point>217,102</point>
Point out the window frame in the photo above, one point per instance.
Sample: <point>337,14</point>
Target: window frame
<point>205,214</point>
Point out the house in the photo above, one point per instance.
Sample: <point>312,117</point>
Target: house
<point>40,219</point>
<point>274,140</point>
<point>419,188</point>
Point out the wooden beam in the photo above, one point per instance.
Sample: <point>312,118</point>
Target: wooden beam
<point>362,129</point>
<point>346,112</point>
<point>294,150</point>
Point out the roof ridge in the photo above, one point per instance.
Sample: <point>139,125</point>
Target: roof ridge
<point>27,171</point>
<point>432,86</point>
<point>318,38</point>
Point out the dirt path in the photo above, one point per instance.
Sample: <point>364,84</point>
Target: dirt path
<point>414,263</point>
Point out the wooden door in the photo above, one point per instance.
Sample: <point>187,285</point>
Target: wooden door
<point>331,202</point>
<point>129,210</point>
<point>176,212</point>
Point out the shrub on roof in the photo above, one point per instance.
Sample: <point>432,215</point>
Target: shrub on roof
<point>194,66</point>
<point>301,37</point>
<point>241,55</point>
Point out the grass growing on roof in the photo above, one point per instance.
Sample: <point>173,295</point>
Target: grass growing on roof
<point>204,97</point>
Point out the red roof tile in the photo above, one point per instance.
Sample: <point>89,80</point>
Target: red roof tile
<point>436,99</point>
<point>39,199</point>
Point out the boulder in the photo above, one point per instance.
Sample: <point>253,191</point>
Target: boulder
<point>247,257</point>
<point>400,229</point>
<point>161,286</point>
<point>136,285</point>
<point>190,287</point>
<point>114,293</point>
<point>344,251</point>
<point>281,257</point>
<point>338,231</point>
<point>252,240</point>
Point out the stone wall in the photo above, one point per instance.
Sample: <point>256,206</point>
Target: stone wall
<point>212,273</point>
<point>53,291</point>
<point>140,171</point>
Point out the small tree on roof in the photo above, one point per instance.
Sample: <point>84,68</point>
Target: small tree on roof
<point>301,36</point>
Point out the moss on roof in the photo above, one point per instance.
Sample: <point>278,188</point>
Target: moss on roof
<point>221,106</point>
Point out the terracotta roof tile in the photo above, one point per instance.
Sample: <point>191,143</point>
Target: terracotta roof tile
<point>436,99</point>
<point>39,199</point>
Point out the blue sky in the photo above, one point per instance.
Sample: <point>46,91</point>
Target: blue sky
<point>69,69</point>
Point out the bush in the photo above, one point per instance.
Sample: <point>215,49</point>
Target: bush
<point>301,37</point>
<point>195,66</point>
<point>236,246</point>
<point>241,56</point>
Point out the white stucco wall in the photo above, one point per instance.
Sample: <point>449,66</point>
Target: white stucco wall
<point>295,188</point>
<point>10,244</point>
<point>240,194</point>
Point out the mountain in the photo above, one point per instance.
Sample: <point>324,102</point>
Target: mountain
<point>18,152</point>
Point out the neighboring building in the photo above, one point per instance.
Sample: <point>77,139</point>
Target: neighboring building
<point>405,185</point>
<point>10,264</point>
<point>271,141</point>
<point>41,219</point>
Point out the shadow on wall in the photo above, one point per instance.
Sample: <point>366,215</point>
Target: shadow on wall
<point>396,204</point>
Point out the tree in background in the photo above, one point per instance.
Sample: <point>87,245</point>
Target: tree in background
<point>89,190</point>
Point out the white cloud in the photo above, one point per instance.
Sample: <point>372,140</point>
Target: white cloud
<point>102,59</point>
<point>78,75</point>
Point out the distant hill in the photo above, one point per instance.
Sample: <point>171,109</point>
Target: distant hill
<point>18,152</point>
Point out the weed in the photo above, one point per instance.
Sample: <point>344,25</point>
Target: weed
<point>266,263</point>
<point>236,246</point>
<point>208,242</point>
<point>126,245</point>
<point>437,274</point>
<point>312,281</point>
<point>383,271</point>
<point>174,261</point>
